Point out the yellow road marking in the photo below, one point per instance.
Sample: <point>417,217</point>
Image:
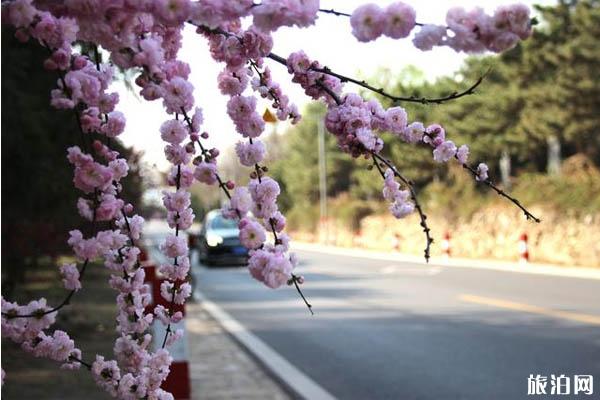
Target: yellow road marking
<point>511,305</point>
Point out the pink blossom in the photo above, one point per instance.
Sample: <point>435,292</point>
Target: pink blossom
<point>257,262</point>
<point>90,119</point>
<point>115,124</point>
<point>232,82</point>
<point>108,208</point>
<point>390,187</point>
<point>482,172</point>
<point>414,132</point>
<point>396,119</point>
<point>177,95</point>
<point>183,219</point>
<point>401,209</point>
<point>183,292</point>
<point>503,41</point>
<point>265,191</point>
<point>133,226</point>
<point>173,131</point>
<point>107,102</point>
<point>106,374</point>
<point>272,14</point>
<point>368,22</point>
<point>277,271</point>
<point>251,127</point>
<point>429,36</point>
<point>70,275</point>
<point>186,176</point>
<point>20,14</point>
<point>252,234</point>
<point>462,154</point>
<point>111,240</point>
<point>277,220</point>
<point>172,12</point>
<point>399,20</point>
<point>176,201</point>
<point>366,137</point>
<point>85,208</point>
<point>83,248</point>
<point>42,319</point>
<point>241,199</point>
<point>250,153</point>
<point>176,154</point>
<point>444,152</point>
<point>206,173</point>
<point>176,272</point>
<point>162,314</point>
<point>434,135</point>
<point>514,18</point>
<point>241,107</point>
<point>174,246</point>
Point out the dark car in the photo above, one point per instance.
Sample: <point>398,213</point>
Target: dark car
<point>219,242</point>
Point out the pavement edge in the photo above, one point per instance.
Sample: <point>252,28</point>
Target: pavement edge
<point>293,381</point>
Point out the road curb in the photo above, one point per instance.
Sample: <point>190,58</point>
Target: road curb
<point>294,381</point>
<point>530,268</point>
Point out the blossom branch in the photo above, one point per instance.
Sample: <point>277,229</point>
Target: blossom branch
<point>501,192</point>
<point>364,84</point>
<point>295,279</point>
<point>413,195</point>
<point>206,153</point>
<point>396,99</point>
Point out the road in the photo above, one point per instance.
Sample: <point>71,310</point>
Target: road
<point>393,330</point>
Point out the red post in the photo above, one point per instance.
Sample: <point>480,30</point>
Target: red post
<point>178,381</point>
<point>446,245</point>
<point>396,241</point>
<point>523,249</point>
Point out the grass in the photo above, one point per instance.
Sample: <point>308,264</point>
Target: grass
<point>89,319</point>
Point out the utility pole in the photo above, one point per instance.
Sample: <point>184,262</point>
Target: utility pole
<point>322,178</point>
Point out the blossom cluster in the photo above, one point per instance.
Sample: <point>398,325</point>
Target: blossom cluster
<point>98,170</point>
<point>255,205</point>
<point>370,21</point>
<point>470,31</point>
<point>264,85</point>
<point>29,332</point>
<point>475,31</point>
<point>356,122</point>
<point>308,75</point>
<point>268,15</point>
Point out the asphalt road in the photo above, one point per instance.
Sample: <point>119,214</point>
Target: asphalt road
<point>392,330</point>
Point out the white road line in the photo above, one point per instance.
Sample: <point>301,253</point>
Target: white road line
<point>290,376</point>
<point>395,269</point>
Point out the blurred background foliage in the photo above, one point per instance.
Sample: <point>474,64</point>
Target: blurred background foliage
<point>38,197</point>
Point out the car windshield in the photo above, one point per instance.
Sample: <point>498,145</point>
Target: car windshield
<point>219,222</point>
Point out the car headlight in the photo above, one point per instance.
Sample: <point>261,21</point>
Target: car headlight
<point>213,240</point>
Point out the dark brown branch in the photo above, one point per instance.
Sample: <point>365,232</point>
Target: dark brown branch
<point>334,12</point>
<point>85,364</point>
<point>502,193</point>
<point>382,92</point>
<point>205,153</point>
<point>295,279</point>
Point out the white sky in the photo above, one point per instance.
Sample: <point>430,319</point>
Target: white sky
<point>330,41</point>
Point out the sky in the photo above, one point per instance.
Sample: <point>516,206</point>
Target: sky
<point>330,41</point>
